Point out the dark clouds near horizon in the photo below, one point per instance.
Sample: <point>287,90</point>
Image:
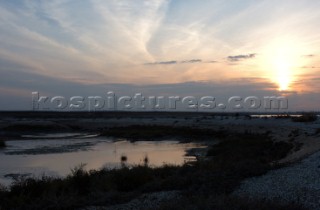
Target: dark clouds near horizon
<point>174,62</point>
<point>236,58</point>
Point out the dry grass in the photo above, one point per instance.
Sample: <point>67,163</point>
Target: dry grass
<point>2,143</point>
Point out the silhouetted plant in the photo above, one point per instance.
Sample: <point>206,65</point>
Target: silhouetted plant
<point>2,143</point>
<point>123,160</point>
<point>146,160</point>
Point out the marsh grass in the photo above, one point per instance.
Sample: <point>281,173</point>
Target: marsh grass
<point>156,132</point>
<point>34,128</point>
<point>2,143</point>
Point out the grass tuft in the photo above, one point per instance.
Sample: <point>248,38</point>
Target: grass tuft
<point>2,143</point>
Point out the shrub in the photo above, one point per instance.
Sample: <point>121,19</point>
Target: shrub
<point>2,143</point>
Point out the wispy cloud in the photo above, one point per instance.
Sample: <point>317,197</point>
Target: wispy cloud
<point>309,56</point>
<point>97,41</point>
<point>310,67</point>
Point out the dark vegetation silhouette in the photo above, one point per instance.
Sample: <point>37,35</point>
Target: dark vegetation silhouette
<point>205,184</point>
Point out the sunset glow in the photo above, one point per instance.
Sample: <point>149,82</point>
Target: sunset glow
<point>92,44</point>
<point>283,59</point>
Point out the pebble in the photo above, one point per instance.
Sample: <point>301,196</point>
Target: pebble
<point>297,183</point>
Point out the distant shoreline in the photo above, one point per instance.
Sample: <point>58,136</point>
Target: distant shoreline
<point>102,114</point>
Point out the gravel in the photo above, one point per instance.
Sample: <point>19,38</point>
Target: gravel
<point>298,183</point>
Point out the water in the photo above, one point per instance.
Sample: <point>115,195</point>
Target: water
<point>56,157</point>
<point>274,115</point>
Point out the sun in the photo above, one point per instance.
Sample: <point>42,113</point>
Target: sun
<point>283,72</point>
<point>282,57</point>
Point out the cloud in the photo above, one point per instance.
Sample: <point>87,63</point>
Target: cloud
<point>192,61</point>
<point>309,56</point>
<point>241,57</point>
<point>310,67</point>
<point>174,62</point>
<point>162,63</point>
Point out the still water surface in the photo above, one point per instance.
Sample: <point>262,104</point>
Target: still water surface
<point>55,157</point>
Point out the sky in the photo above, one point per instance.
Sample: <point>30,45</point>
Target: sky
<point>160,47</point>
